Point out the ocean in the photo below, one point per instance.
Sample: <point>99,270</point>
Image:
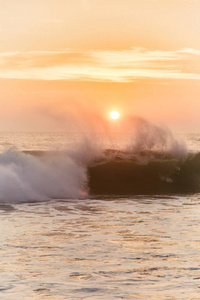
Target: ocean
<point>99,220</point>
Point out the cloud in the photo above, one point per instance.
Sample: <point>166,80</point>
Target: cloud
<point>41,59</point>
<point>114,66</point>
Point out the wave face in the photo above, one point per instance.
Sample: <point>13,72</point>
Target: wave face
<point>158,176</point>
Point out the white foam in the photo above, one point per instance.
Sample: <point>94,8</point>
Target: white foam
<point>24,177</point>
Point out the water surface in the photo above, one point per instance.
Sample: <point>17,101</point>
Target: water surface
<point>107,248</point>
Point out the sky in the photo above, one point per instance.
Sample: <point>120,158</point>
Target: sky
<point>84,58</point>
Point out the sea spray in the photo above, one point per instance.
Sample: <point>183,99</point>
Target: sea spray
<point>140,135</point>
<point>24,177</point>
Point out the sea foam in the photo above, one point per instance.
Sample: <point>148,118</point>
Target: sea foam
<point>24,177</point>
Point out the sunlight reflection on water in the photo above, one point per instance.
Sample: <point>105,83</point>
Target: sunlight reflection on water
<point>114,248</point>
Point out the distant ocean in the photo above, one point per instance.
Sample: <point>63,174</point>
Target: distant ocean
<point>89,217</point>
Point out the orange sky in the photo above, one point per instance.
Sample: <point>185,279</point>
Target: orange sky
<point>58,57</point>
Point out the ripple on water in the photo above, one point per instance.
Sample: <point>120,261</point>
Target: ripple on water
<point>117,249</point>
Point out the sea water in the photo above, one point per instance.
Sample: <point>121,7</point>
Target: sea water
<point>88,246</point>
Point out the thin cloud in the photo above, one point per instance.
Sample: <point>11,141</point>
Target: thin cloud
<point>114,66</point>
<point>42,59</point>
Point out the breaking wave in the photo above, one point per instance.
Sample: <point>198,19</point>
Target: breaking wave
<point>146,160</point>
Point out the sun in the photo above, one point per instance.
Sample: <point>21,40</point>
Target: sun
<point>114,115</point>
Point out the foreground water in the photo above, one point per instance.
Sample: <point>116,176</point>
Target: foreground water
<point>137,248</point>
<point>98,247</point>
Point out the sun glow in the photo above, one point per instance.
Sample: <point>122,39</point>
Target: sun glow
<point>114,115</point>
